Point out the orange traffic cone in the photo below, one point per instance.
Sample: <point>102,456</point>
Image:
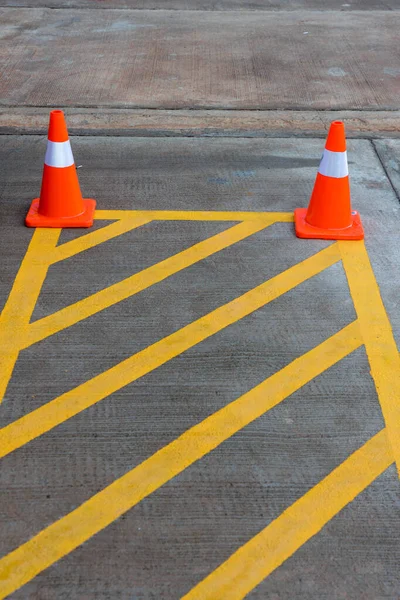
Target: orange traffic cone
<point>60,203</point>
<point>329,215</point>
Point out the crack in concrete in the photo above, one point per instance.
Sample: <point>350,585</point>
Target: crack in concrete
<point>385,169</point>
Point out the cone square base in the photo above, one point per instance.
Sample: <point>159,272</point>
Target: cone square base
<point>306,231</point>
<point>34,219</point>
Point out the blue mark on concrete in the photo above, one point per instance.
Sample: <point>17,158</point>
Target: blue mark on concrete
<point>243,174</point>
<point>220,180</point>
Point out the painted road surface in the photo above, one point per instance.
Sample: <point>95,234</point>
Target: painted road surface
<point>197,404</point>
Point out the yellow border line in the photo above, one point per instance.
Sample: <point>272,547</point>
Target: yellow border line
<point>22,299</point>
<point>197,215</point>
<point>245,569</point>
<point>378,337</point>
<point>68,316</point>
<point>63,536</point>
<point>96,237</point>
<point>71,403</point>
<point>259,557</point>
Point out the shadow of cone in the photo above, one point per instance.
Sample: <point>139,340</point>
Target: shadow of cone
<point>329,215</point>
<point>60,203</point>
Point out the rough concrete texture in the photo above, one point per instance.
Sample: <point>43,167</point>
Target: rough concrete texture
<point>181,59</point>
<point>201,76</point>
<point>175,537</point>
<point>189,123</point>
<point>320,569</point>
<point>210,4</point>
<point>389,153</point>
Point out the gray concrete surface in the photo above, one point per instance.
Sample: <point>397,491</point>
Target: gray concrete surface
<point>389,153</point>
<point>172,539</point>
<point>371,124</point>
<point>321,568</point>
<point>179,59</point>
<point>200,105</point>
<point>267,5</point>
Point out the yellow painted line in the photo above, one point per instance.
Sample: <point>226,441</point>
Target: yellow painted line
<point>198,215</point>
<point>66,534</point>
<point>137,283</point>
<point>94,238</point>
<point>22,299</point>
<point>254,561</point>
<point>71,403</point>
<point>378,337</point>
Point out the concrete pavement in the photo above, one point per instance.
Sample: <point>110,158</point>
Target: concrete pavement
<point>184,59</point>
<point>176,536</point>
<point>203,5</point>
<point>197,404</point>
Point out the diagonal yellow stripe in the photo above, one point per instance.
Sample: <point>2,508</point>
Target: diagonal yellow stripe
<point>137,283</point>
<point>63,536</point>
<point>197,215</point>
<point>254,561</point>
<point>22,299</point>
<point>377,332</point>
<point>96,237</point>
<point>71,403</point>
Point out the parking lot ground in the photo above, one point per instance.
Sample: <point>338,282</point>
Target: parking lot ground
<point>197,404</point>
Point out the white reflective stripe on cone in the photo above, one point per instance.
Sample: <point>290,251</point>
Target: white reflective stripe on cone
<point>58,154</point>
<point>334,164</point>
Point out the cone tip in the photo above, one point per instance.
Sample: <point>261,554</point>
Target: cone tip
<point>336,140</point>
<point>57,127</point>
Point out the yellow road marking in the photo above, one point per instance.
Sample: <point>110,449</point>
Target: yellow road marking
<point>71,403</point>
<point>378,337</point>
<point>96,237</point>
<point>137,283</point>
<point>257,559</point>
<point>22,299</point>
<point>63,536</point>
<point>198,215</point>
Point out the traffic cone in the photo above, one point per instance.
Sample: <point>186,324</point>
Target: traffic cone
<point>329,215</point>
<point>60,203</point>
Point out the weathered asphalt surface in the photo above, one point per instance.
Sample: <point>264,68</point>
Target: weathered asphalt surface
<point>260,58</point>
